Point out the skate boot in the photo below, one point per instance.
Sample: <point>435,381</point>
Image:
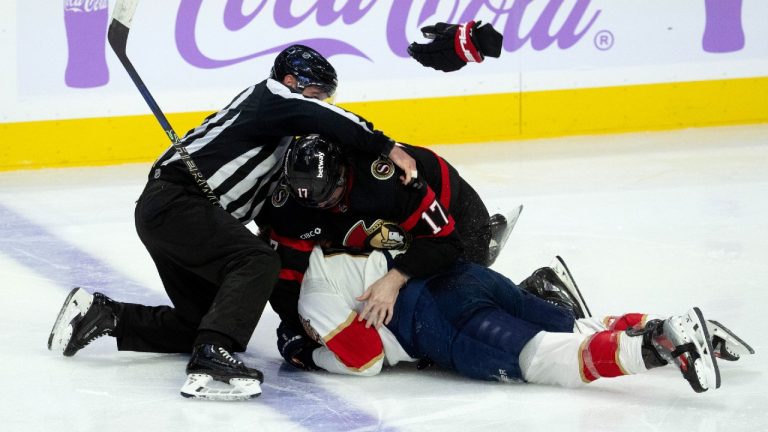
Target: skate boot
<point>556,285</point>
<point>725,343</point>
<point>83,318</point>
<point>213,363</point>
<point>684,340</point>
<point>501,227</point>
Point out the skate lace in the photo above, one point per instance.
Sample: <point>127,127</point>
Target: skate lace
<point>229,356</point>
<point>94,336</point>
<point>96,333</point>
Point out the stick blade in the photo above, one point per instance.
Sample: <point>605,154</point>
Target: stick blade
<point>123,11</point>
<point>117,35</point>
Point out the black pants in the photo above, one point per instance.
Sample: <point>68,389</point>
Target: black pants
<point>472,224</point>
<point>217,274</point>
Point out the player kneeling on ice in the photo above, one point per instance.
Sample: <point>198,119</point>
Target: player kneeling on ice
<point>476,321</point>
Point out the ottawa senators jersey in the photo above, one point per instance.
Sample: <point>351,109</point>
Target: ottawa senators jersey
<point>377,212</point>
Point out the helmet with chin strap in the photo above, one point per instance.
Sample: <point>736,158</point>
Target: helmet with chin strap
<point>314,169</point>
<point>308,66</point>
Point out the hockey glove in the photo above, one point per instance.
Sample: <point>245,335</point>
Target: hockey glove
<point>453,45</point>
<point>296,348</point>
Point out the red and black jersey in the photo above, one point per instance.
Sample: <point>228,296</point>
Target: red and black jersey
<point>377,212</point>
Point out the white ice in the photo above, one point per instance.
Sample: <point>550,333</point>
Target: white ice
<point>648,222</point>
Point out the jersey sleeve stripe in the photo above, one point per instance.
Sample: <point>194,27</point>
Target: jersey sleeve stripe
<point>300,245</point>
<point>445,188</point>
<point>414,218</point>
<point>356,346</point>
<point>445,180</point>
<point>291,275</point>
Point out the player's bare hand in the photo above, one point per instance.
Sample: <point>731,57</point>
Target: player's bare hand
<point>405,162</point>
<point>380,299</point>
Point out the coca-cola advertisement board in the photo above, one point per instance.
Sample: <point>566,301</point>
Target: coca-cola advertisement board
<point>193,54</point>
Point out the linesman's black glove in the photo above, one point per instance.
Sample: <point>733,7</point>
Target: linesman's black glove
<point>296,348</point>
<point>453,45</point>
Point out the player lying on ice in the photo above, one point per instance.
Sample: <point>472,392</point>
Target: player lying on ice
<point>477,322</point>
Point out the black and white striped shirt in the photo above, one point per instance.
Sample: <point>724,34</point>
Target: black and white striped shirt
<point>239,148</point>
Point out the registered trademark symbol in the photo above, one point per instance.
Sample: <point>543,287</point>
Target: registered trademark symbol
<point>604,40</point>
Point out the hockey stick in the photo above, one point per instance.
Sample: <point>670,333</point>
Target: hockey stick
<point>118,39</point>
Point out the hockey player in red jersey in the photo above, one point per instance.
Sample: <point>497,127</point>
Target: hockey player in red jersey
<point>356,202</point>
<point>480,324</point>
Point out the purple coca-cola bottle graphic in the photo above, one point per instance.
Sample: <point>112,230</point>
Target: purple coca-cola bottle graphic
<point>85,22</point>
<point>723,31</point>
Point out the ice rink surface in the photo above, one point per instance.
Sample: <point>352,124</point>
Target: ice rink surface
<point>647,222</point>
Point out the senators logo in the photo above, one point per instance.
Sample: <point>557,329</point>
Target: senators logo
<point>380,235</point>
<point>280,196</point>
<point>383,168</point>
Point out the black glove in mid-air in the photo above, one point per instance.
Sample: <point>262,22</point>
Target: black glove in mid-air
<point>453,45</point>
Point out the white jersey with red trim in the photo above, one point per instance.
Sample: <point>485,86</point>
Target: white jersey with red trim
<point>329,311</point>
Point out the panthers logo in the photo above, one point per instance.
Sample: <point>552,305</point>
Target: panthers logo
<point>280,196</point>
<point>380,235</point>
<point>383,168</point>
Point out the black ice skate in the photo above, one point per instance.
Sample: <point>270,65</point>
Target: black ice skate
<point>556,285</point>
<point>211,362</point>
<point>684,340</point>
<point>725,343</point>
<point>501,227</point>
<point>83,318</point>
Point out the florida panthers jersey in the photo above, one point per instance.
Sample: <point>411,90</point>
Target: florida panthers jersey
<point>329,313</point>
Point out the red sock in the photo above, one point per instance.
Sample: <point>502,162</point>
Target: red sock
<point>599,356</point>
<point>625,321</point>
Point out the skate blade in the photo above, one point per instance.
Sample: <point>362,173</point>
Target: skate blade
<point>204,387</point>
<point>558,265</point>
<point>512,218</point>
<point>706,365</point>
<point>495,247</point>
<point>77,303</point>
<point>735,345</point>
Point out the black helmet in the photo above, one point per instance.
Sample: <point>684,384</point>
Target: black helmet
<point>314,171</point>
<point>308,66</point>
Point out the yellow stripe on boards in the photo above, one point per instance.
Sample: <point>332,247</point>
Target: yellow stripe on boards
<point>88,142</point>
<point>458,119</point>
<point>510,116</point>
<point>644,107</point>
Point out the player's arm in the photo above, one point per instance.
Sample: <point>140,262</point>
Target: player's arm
<point>288,113</point>
<point>436,245</point>
<point>294,259</point>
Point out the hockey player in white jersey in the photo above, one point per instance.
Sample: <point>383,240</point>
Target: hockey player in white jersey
<point>478,323</point>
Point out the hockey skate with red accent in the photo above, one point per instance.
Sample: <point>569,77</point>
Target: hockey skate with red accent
<point>686,341</point>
